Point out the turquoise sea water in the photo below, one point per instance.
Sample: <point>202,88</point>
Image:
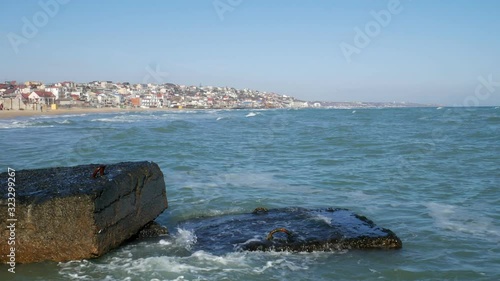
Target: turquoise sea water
<point>430,175</point>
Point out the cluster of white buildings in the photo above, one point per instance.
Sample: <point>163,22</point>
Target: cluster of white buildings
<point>33,95</point>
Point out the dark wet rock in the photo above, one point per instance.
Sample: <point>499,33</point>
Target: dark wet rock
<point>151,230</point>
<point>65,213</point>
<point>296,230</point>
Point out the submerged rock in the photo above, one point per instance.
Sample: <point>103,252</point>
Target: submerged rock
<point>152,230</point>
<point>290,229</point>
<point>80,212</point>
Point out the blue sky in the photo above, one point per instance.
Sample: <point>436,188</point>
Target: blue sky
<point>421,51</point>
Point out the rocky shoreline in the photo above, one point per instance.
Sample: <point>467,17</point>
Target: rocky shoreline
<point>81,212</point>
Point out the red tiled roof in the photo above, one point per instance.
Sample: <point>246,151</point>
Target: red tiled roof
<point>45,94</point>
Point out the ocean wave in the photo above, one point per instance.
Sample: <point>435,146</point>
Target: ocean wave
<point>283,159</point>
<point>123,265</point>
<point>173,126</point>
<point>118,119</point>
<point>252,114</point>
<point>322,218</point>
<point>463,221</point>
<point>131,118</point>
<point>185,238</point>
<point>72,115</point>
<point>17,124</point>
<point>493,119</point>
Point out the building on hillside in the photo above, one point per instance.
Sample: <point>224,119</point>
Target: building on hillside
<point>33,84</point>
<point>135,102</point>
<point>54,90</point>
<point>42,97</point>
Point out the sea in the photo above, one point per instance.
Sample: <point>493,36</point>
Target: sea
<point>431,175</point>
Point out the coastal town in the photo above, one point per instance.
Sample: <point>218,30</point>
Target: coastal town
<point>38,96</point>
<point>34,95</point>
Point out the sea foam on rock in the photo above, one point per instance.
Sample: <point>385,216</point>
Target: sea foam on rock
<point>65,213</point>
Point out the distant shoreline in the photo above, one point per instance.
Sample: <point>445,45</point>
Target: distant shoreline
<point>6,114</point>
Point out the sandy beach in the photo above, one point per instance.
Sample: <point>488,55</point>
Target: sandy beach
<point>5,114</point>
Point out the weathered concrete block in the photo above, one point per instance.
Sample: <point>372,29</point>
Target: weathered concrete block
<point>65,214</point>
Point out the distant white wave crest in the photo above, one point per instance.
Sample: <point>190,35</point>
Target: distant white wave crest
<point>252,114</point>
<point>461,220</point>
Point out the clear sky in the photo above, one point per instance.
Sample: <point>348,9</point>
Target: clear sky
<point>423,51</point>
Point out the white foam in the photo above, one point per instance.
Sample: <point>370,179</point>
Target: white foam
<point>71,115</point>
<point>323,218</point>
<point>230,259</point>
<point>121,120</point>
<point>266,180</point>
<point>164,242</point>
<point>281,264</point>
<point>121,265</point>
<point>130,118</point>
<point>364,200</point>
<point>251,114</point>
<point>25,124</point>
<point>462,220</point>
<point>185,238</point>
